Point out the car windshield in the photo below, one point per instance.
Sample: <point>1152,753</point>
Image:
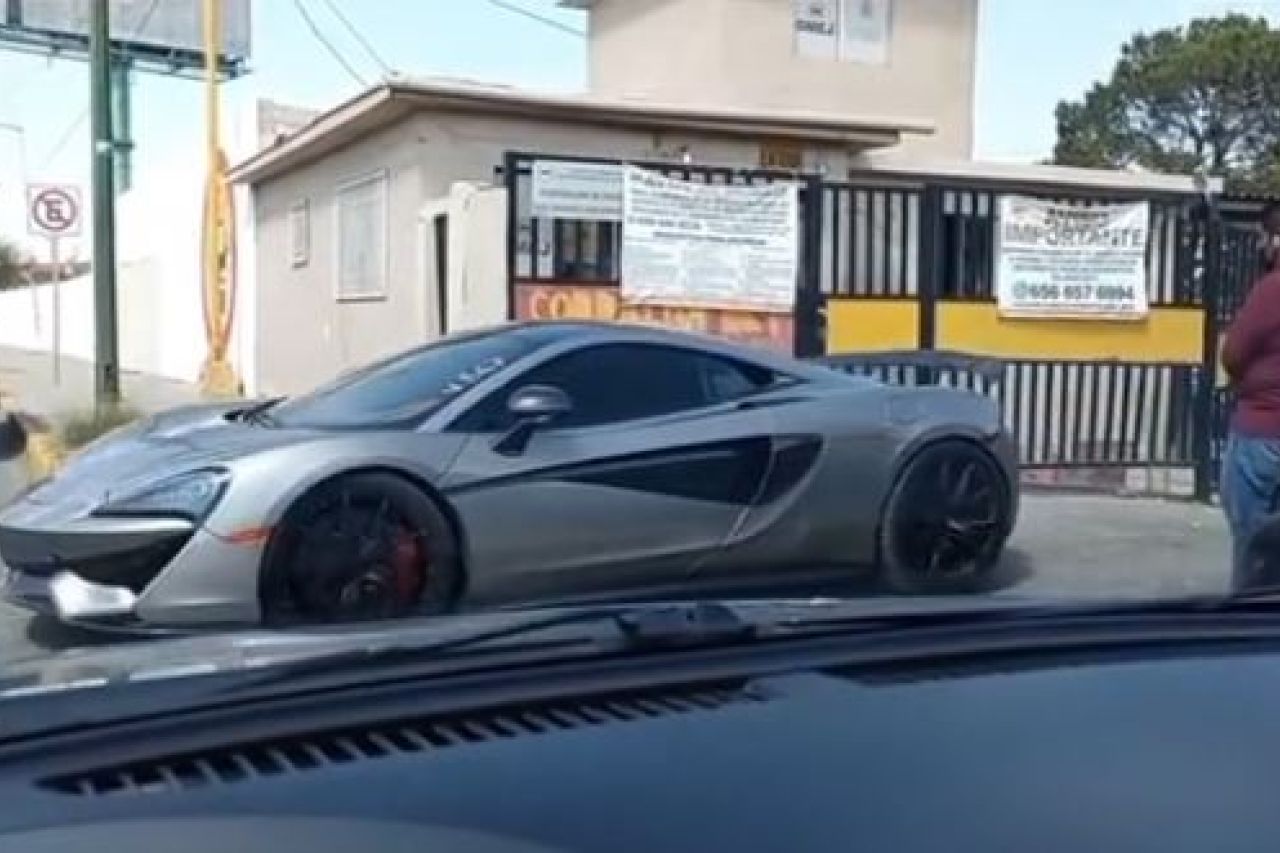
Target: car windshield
<point>322,313</point>
<point>406,388</point>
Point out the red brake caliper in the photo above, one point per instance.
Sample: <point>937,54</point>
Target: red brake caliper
<point>409,566</point>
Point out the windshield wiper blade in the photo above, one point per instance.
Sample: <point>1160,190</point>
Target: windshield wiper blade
<point>617,628</point>
<point>258,414</point>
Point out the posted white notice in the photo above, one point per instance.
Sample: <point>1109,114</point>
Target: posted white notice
<point>1057,260</point>
<point>572,190</point>
<point>709,246</point>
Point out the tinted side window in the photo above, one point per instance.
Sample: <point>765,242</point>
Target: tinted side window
<point>623,382</point>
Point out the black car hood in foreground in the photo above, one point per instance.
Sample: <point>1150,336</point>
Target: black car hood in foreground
<point>1171,753</point>
<point>172,659</point>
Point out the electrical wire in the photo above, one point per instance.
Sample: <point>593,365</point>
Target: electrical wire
<point>534,16</point>
<point>64,139</point>
<point>80,119</point>
<point>359,37</point>
<point>328,45</point>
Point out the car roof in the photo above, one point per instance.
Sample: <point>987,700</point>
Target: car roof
<point>606,331</point>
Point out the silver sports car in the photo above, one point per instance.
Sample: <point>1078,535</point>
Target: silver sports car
<point>528,462</point>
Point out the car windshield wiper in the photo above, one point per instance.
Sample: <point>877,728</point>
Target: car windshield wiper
<point>623,627</point>
<point>259,415</point>
<point>631,629</point>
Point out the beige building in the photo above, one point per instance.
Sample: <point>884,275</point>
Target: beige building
<point>383,222</point>
<point>904,57</point>
<point>350,262</point>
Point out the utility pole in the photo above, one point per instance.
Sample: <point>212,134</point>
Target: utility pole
<point>107,367</point>
<point>122,122</point>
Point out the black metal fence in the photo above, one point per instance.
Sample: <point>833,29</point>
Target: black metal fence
<point>1063,414</point>
<point>1238,264</point>
<point>880,237</point>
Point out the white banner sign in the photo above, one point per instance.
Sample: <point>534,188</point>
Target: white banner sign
<point>567,190</point>
<point>709,246</point>
<point>1058,260</point>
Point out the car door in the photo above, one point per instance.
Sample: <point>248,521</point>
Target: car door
<point>653,467</point>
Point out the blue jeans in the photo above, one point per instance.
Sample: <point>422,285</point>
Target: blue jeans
<point>1250,494</point>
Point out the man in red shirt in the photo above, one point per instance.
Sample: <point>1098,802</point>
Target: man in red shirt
<point>1251,356</point>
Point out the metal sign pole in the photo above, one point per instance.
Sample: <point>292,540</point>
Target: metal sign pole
<point>53,213</point>
<point>56,257</point>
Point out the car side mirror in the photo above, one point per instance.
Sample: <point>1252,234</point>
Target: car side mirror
<point>539,403</point>
<point>531,407</point>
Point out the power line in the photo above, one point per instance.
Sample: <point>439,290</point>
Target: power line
<point>358,36</point>
<point>65,138</point>
<point>534,16</point>
<point>320,37</point>
<point>84,113</point>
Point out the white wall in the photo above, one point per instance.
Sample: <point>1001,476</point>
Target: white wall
<point>304,333</point>
<point>159,299</point>
<point>476,292</point>
<point>27,317</point>
<point>742,53</point>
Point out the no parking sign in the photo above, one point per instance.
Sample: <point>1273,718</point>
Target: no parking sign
<point>53,210</point>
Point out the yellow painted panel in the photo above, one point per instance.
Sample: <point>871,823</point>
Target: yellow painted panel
<point>862,325</point>
<point>1166,335</point>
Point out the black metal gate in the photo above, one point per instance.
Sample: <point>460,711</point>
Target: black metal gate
<point>1236,264</point>
<point>587,254</point>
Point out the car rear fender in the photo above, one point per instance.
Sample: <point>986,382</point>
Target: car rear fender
<point>996,445</point>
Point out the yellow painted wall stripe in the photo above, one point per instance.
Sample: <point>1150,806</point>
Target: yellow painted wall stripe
<point>869,325</point>
<point>1171,335</point>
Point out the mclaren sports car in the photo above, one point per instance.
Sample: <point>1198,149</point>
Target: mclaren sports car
<point>524,463</point>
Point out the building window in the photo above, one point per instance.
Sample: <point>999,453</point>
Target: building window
<point>300,234</point>
<point>362,238</point>
<point>585,251</point>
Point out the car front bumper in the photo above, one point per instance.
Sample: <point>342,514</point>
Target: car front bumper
<point>72,599</point>
<point>130,573</point>
<point>91,570</point>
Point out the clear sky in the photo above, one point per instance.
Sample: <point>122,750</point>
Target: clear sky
<point>1032,53</point>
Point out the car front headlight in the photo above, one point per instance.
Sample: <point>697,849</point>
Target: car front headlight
<point>192,496</point>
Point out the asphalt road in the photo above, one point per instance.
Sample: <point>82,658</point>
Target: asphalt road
<point>1065,546</point>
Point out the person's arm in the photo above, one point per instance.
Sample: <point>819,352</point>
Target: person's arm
<point>1255,323</point>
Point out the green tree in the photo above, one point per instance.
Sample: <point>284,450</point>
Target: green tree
<point>1203,97</point>
<point>12,266</point>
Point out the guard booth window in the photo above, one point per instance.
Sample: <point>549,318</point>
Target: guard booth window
<point>586,251</point>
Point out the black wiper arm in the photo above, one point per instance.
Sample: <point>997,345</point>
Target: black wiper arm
<point>682,625</point>
<point>620,628</point>
<point>258,414</point>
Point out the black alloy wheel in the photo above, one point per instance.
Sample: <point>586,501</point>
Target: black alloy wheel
<point>946,522</point>
<point>362,547</point>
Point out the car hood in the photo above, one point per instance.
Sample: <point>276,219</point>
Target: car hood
<point>150,660</point>
<point>157,447</point>
<point>133,660</point>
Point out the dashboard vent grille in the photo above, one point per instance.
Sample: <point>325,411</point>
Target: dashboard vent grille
<point>282,756</point>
